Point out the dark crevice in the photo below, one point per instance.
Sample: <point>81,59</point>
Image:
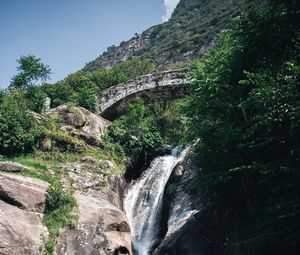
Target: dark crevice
<point>7,199</point>
<point>121,250</point>
<point>143,161</point>
<point>122,227</point>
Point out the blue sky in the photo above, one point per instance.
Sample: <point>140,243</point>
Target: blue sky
<point>66,34</point>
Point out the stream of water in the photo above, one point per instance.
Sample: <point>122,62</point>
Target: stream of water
<point>143,202</point>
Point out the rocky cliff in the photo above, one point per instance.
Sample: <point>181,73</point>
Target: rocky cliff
<point>186,227</point>
<point>100,226</point>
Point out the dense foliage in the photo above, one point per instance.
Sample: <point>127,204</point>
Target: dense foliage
<point>146,127</point>
<point>135,131</point>
<point>245,109</point>
<point>80,88</point>
<point>17,127</point>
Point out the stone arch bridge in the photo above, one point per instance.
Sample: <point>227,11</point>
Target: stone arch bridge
<point>111,102</point>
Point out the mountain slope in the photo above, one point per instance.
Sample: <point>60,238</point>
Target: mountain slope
<point>189,33</point>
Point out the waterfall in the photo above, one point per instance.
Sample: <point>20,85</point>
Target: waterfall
<point>144,198</point>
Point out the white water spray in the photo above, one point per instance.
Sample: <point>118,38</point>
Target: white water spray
<point>143,202</point>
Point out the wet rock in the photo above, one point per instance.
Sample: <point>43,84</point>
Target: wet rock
<point>166,150</point>
<point>181,230</point>
<point>189,230</point>
<point>23,192</point>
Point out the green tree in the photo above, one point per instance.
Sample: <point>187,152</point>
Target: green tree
<point>31,70</point>
<point>245,109</point>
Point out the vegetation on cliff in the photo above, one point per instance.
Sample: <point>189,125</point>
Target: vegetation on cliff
<point>245,109</point>
<point>189,33</point>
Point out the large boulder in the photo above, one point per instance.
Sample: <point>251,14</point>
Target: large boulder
<point>22,201</point>
<point>21,232</point>
<point>80,122</point>
<point>103,227</point>
<point>23,192</point>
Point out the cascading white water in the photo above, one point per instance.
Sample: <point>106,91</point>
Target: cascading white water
<point>144,198</point>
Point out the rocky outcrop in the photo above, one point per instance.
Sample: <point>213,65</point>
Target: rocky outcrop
<point>21,232</point>
<point>24,192</point>
<point>103,227</point>
<point>22,201</point>
<point>126,50</point>
<point>189,229</point>
<point>79,122</point>
<point>11,167</point>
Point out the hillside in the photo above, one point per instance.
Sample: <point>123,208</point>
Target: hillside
<point>189,33</point>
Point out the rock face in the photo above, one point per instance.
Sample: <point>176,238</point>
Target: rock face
<point>158,86</point>
<point>190,32</point>
<point>188,230</point>
<point>22,199</point>
<point>80,122</point>
<point>103,227</point>
<point>183,208</point>
<point>120,54</point>
<point>24,192</point>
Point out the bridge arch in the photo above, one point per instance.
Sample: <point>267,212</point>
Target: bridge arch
<point>152,87</point>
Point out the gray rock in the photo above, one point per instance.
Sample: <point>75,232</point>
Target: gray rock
<point>103,227</point>
<point>23,192</point>
<point>11,167</point>
<point>69,115</point>
<point>21,231</point>
<point>79,122</point>
<point>38,117</point>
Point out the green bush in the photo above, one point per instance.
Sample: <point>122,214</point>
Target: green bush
<point>17,127</point>
<point>36,99</point>
<point>135,131</point>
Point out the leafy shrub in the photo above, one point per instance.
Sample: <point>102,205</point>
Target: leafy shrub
<point>17,127</point>
<point>135,132</point>
<point>36,99</point>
